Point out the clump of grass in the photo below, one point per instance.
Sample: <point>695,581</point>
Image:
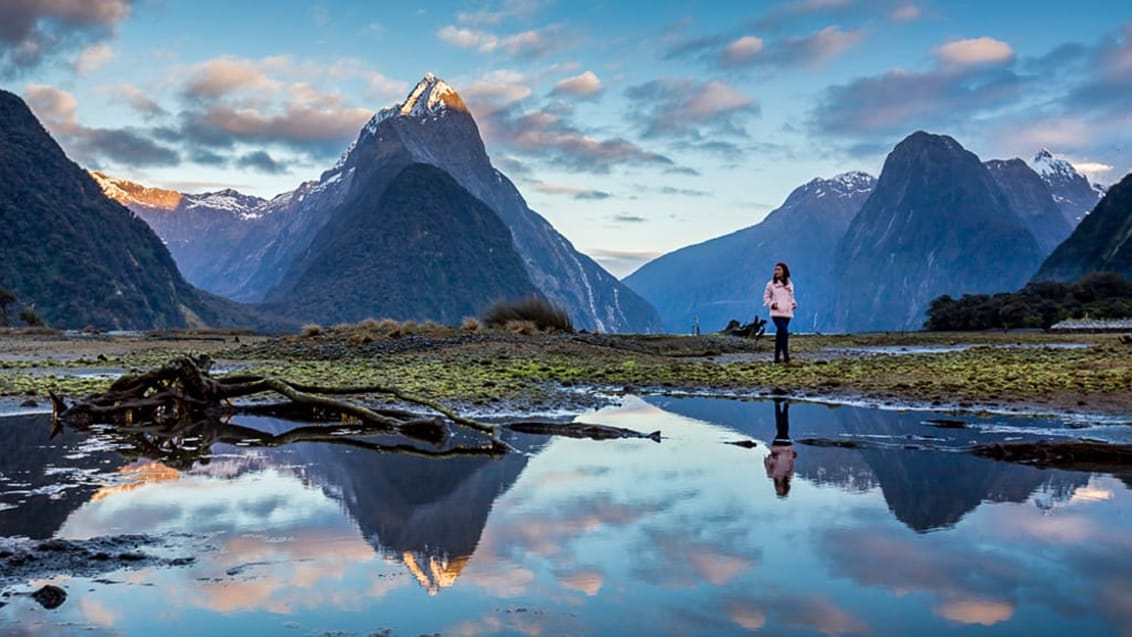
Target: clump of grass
<point>311,329</point>
<point>524,328</point>
<point>471,324</point>
<point>544,315</point>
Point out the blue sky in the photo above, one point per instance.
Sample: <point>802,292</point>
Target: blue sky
<point>634,128</point>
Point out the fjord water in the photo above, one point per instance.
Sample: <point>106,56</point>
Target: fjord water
<point>905,535</point>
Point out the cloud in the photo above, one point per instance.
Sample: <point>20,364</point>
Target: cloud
<point>138,100</point>
<point>719,51</point>
<point>572,191</point>
<point>975,51</point>
<point>92,58</point>
<point>90,146</point>
<point>33,30</point>
<point>814,49</point>
<point>621,263</point>
<point>870,111</point>
<point>498,87</point>
<point>526,45</point>
<point>683,108</point>
<point>507,10</point>
<point>628,218</point>
<point>585,85</point>
<point>905,13</point>
<point>261,161</point>
<point>223,76</point>
<point>313,129</point>
<point>742,50</point>
<point>231,101</point>
<point>554,140</point>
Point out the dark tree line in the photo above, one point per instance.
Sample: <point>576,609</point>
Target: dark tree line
<point>26,314</point>
<point>1102,295</point>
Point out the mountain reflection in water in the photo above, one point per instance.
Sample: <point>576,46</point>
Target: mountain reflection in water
<point>567,536</point>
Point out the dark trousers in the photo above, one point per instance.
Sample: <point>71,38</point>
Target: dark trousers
<point>781,338</point>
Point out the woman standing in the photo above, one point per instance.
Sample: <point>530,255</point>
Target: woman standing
<point>779,297</point>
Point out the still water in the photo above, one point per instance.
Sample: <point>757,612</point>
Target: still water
<point>906,536</point>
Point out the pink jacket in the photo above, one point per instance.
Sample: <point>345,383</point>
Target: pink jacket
<point>782,295</point>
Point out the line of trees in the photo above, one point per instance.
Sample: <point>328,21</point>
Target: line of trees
<point>26,314</point>
<point>1102,295</point>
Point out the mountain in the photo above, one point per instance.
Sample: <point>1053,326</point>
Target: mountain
<point>936,223</point>
<point>1071,189</point>
<point>195,227</point>
<point>1029,197</point>
<point>723,278</point>
<point>416,247</point>
<point>78,257</point>
<point>1101,243</point>
<point>431,126</point>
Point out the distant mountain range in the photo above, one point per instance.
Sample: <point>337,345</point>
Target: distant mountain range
<point>721,279</point>
<point>870,254</point>
<point>413,222</point>
<point>265,250</point>
<point>80,259</point>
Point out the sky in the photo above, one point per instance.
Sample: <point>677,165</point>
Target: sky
<point>635,128</point>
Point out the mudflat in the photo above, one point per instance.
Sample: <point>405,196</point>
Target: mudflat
<point>1024,372</point>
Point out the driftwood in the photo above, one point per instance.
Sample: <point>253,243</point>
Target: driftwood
<point>177,411</point>
<point>754,329</point>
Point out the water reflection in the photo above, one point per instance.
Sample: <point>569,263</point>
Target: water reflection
<point>780,461</point>
<point>925,486</point>
<point>564,535</point>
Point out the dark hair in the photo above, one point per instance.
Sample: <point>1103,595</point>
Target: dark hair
<point>785,273</point>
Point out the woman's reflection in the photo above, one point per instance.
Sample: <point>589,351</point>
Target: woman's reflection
<point>780,462</point>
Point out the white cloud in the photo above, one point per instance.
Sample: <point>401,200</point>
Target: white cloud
<point>982,50</point>
<point>742,49</point>
<point>585,84</point>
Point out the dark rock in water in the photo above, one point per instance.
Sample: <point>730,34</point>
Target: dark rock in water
<point>30,402</point>
<point>944,423</point>
<point>50,596</point>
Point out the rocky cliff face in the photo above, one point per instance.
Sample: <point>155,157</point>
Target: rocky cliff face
<point>1102,242</point>
<point>722,279</point>
<point>1029,197</point>
<point>937,223</point>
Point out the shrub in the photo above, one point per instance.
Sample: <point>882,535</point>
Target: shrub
<point>312,329</point>
<point>542,314</point>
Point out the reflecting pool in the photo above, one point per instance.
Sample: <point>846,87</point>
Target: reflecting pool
<point>906,534</point>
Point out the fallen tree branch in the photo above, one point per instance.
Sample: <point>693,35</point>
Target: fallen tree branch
<point>177,410</point>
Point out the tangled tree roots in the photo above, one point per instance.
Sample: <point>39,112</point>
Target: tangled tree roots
<point>181,401</point>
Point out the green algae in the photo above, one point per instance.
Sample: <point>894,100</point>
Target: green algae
<point>1012,368</point>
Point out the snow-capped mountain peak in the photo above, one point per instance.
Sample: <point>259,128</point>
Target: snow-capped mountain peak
<point>128,192</point>
<point>431,96</point>
<point>1048,165</point>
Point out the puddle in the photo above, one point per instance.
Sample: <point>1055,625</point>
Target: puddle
<point>909,535</point>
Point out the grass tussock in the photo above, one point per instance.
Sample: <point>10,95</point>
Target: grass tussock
<point>472,324</point>
<point>543,315</point>
<point>311,329</point>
